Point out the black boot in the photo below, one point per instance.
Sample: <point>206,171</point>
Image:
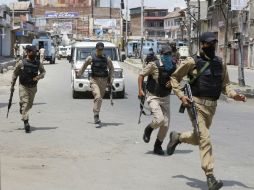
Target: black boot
<point>147,133</point>
<point>97,119</point>
<point>157,147</point>
<point>174,141</point>
<point>27,126</point>
<point>212,183</point>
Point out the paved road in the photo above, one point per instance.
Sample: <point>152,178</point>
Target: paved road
<point>67,151</point>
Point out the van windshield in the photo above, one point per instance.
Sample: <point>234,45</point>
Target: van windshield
<point>83,53</point>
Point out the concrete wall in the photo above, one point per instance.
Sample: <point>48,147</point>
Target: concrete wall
<point>6,42</point>
<point>136,25</point>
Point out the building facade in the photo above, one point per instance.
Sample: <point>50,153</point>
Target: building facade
<point>5,31</point>
<point>153,22</point>
<point>174,25</point>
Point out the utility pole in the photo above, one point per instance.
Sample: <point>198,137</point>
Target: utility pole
<point>189,25</point>
<point>198,26</point>
<point>110,11</point>
<point>142,30</point>
<point>251,33</point>
<point>225,53</point>
<point>126,29</point>
<point>240,44</point>
<point>13,16</point>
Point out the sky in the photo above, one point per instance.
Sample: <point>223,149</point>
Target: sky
<point>170,4</point>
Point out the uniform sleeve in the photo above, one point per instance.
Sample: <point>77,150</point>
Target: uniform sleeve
<point>187,67</point>
<point>227,88</point>
<point>111,68</point>
<point>42,71</point>
<point>17,71</point>
<point>88,61</point>
<point>148,69</point>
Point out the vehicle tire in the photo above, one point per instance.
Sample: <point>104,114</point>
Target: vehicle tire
<point>74,94</point>
<point>59,58</point>
<point>121,94</point>
<point>54,61</point>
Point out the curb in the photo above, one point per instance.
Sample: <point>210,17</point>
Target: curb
<point>136,69</point>
<point>7,65</point>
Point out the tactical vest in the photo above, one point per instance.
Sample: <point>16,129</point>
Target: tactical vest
<point>99,66</point>
<point>209,83</point>
<point>159,88</point>
<point>30,70</point>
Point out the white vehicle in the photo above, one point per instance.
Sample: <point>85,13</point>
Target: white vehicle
<point>22,50</point>
<point>80,51</point>
<point>64,52</point>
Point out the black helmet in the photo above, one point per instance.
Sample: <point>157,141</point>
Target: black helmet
<point>165,49</point>
<point>31,48</point>
<point>208,37</point>
<point>100,46</point>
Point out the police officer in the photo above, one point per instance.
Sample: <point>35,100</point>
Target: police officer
<point>42,52</point>
<point>150,56</point>
<point>175,53</point>
<point>29,71</point>
<point>158,99</point>
<point>209,78</point>
<point>102,75</point>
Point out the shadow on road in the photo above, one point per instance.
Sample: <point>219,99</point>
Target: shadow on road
<point>2,105</point>
<point>176,152</point>
<point>38,128</point>
<point>196,183</point>
<point>108,124</point>
<point>183,151</point>
<point>39,103</point>
<point>42,128</point>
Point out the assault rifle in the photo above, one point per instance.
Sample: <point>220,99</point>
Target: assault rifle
<point>111,90</point>
<point>191,109</point>
<point>10,99</point>
<point>142,103</point>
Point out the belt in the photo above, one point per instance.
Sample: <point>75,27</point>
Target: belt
<point>205,102</point>
<point>29,85</point>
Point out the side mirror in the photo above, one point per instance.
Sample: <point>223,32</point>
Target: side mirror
<point>123,57</point>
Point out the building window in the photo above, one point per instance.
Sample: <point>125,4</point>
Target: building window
<point>97,3</point>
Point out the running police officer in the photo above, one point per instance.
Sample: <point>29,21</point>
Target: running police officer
<point>102,76</point>
<point>210,78</point>
<point>150,56</point>
<point>158,72</point>
<point>30,71</point>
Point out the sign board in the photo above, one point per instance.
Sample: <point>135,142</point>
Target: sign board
<point>63,27</point>
<point>105,23</point>
<point>238,5</point>
<point>62,15</point>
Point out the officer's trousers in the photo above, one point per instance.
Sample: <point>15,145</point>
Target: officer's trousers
<point>205,115</point>
<point>98,86</point>
<point>41,58</point>
<point>26,96</point>
<point>160,109</point>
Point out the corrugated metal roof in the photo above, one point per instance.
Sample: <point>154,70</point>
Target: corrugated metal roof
<point>20,5</point>
<point>173,15</point>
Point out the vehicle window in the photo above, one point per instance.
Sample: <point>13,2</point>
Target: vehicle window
<point>83,53</point>
<point>63,49</point>
<point>111,52</point>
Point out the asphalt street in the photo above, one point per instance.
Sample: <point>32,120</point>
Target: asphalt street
<point>65,150</point>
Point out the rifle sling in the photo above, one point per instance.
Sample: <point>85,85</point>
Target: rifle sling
<point>199,72</point>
